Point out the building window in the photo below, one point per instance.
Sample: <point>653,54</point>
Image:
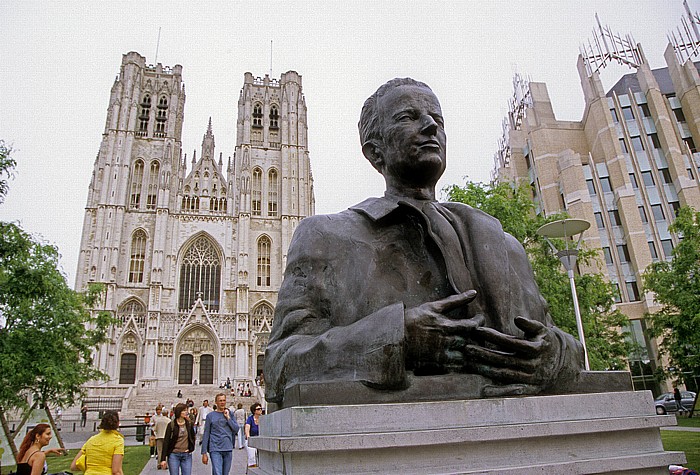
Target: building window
<point>652,251</point>
<point>136,184</point>
<point>655,140</point>
<point>614,216</point>
<point>256,205</point>
<point>637,143</point>
<point>274,117</point>
<point>132,309</point>
<point>623,253</point>
<point>644,110</point>
<point>599,219</point>
<point>647,178</point>
<point>643,214</point>
<point>257,115</point>
<point>665,176</point>
<point>632,291</point>
<point>263,317</point>
<point>658,212</point>
<point>680,116</point>
<point>613,113</point>
<point>138,257</point>
<point>605,184</point>
<point>608,256</point>
<point>667,247</point>
<point>152,197</point>
<point>144,116</point>
<point>161,117</point>
<point>617,298</point>
<point>633,180</point>
<point>264,246</point>
<point>675,206</point>
<point>690,143</point>
<point>627,113</point>
<point>200,275</point>
<point>272,186</point>
<point>623,146</point>
<point>591,187</point>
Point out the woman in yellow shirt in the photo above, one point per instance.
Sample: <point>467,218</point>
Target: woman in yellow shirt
<point>104,451</point>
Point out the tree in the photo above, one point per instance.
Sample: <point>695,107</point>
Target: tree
<point>47,332</point>
<point>7,166</point>
<point>676,285</point>
<point>513,206</point>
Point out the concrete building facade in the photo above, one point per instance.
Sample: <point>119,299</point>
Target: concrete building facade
<point>625,167</point>
<point>192,255</point>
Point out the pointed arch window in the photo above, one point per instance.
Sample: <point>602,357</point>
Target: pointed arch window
<point>138,257</point>
<point>272,185</point>
<point>257,114</point>
<point>200,275</point>
<point>136,184</point>
<point>132,308</point>
<point>161,117</point>
<point>144,116</point>
<point>262,318</point>
<point>274,117</point>
<point>256,205</point>
<point>152,197</point>
<point>264,246</point>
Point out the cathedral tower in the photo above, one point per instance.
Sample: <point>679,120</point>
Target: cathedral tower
<point>192,260</point>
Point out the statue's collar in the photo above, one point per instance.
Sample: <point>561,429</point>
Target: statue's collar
<point>377,208</point>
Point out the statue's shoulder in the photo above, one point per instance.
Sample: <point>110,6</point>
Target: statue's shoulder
<point>473,215</point>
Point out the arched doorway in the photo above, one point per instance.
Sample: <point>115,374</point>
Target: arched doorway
<point>206,369</point>
<point>184,375</point>
<point>127,369</point>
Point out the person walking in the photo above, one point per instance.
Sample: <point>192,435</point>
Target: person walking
<point>239,415</point>
<point>218,439</point>
<point>160,424</point>
<point>201,418</point>
<point>104,452</point>
<point>178,443</point>
<point>83,415</point>
<point>678,398</point>
<point>31,460</point>
<point>252,430</point>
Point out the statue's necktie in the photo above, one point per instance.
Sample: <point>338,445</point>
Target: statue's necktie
<point>447,240</point>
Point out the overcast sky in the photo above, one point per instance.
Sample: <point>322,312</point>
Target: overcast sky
<point>60,59</point>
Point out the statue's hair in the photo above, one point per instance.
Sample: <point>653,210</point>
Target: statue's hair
<point>369,117</point>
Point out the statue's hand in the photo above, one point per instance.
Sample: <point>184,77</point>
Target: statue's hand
<point>532,361</point>
<point>435,342</point>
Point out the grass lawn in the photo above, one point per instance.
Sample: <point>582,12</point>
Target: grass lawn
<point>688,442</point>
<point>684,421</point>
<point>135,458</point>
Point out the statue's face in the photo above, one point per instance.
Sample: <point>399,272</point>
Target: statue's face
<point>414,144</point>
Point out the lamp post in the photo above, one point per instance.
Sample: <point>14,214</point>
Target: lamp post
<point>569,228</point>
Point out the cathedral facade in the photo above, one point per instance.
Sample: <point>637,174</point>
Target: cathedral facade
<point>191,253</point>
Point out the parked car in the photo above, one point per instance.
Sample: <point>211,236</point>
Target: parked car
<point>665,402</point>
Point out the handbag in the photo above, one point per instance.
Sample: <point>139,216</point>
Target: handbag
<point>81,463</point>
<point>152,441</point>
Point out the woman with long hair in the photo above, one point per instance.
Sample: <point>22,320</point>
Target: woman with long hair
<point>104,451</point>
<point>178,444</point>
<point>31,460</point>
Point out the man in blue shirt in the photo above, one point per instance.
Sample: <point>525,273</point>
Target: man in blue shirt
<point>219,434</point>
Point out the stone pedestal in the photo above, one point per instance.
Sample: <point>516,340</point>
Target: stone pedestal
<point>614,432</point>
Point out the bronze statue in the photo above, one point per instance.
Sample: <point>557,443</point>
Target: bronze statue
<point>402,287</point>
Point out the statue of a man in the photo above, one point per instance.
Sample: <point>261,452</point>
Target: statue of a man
<point>400,287</point>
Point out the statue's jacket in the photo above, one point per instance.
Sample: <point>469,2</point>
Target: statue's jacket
<point>350,276</point>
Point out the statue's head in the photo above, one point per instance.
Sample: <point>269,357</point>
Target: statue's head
<point>402,132</point>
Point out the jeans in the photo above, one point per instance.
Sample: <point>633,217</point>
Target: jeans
<point>220,462</point>
<point>180,462</point>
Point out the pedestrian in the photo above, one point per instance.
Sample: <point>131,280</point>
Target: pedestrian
<point>83,415</point>
<point>678,399</point>
<point>179,394</point>
<point>160,423</point>
<point>252,430</point>
<point>219,433</point>
<point>201,419</point>
<point>239,415</point>
<point>104,452</point>
<point>178,443</point>
<point>31,460</point>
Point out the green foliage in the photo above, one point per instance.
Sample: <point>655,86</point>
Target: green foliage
<point>47,333</point>
<point>513,206</point>
<point>677,288</point>
<point>7,165</point>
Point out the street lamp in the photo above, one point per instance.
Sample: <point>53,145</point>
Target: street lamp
<point>569,228</point>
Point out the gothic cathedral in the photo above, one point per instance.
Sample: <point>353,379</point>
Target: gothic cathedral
<point>191,259</point>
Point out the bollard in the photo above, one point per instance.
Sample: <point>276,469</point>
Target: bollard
<point>74,427</point>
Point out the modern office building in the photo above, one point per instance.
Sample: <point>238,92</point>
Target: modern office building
<point>625,167</point>
<point>192,254</point>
